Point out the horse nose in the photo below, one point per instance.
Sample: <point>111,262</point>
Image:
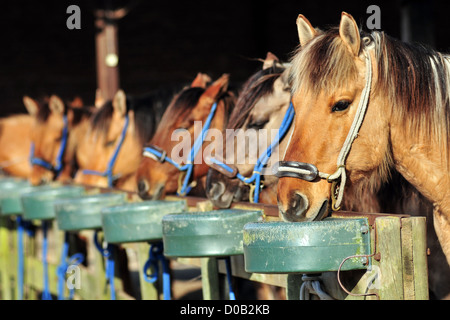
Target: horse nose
<point>297,206</point>
<point>216,189</point>
<point>38,181</point>
<point>143,188</point>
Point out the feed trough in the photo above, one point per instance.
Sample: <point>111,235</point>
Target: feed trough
<point>206,234</point>
<point>10,200</point>
<point>84,212</point>
<point>302,247</point>
<point>7,184</point>
<point>139,221</point>
<point>40,204</point>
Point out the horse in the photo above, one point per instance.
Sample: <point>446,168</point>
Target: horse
<point>15,140</point>
<point>55,130</point>
<point>158,174</point>
<point>110,150</point>
<point>261,105</point>
<point>367,107</point>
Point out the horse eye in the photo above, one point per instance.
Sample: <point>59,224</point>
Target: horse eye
<point>109,143</point>
<point>341,106</point>
<point>257,125</point>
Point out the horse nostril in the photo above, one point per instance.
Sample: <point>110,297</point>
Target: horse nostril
<point>143,188</point>
<point>298,204</point>
<point>217,189</point>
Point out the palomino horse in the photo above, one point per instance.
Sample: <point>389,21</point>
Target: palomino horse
<point>159,174</point>
<point>15,140</point>
<point>366,105</point>
<point>261,105</point>
<point>55,131</point>
<point>110,151</point>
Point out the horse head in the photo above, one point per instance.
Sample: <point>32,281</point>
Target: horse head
<point>260,108</point>
<point>173,158</point>
<point>50,136</point>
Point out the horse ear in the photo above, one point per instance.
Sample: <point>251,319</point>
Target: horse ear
<point>99,101</point>
<point>305,30</point>
<point>349,33</point>
<point>285,79</point>
<point>56,105</point>
<point>120,103</point>
<point>217,87</point>
<point>200,80</point>
<point>270,60</point>
<point>31,105</point>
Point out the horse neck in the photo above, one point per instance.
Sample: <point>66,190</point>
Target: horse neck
<point>15,139</point>
<point>424,165</point>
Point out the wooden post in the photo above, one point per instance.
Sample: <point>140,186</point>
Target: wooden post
<point>106,42</point>
<point>293,284</point>
<point>4,260</point>
<point>420,266</point>
<point>210,279</point>
<point>401,243</point>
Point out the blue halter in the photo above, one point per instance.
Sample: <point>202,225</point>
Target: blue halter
<point>160,155</point>
<point>57,168</point>
<point>255,178</point>
<point>109,169</point>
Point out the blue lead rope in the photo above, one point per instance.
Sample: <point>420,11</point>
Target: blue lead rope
<point>229,278</point>
<point>109,269</point>
<point>57,168</point>
<point>159,155</point>
<point>108,173</point>
<point>155,256</point>
<point>46,295</point>
<point>75,259</point>
<point>264,158</point>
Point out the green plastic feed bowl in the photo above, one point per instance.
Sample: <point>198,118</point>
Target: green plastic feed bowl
<point>40,204</point>
<point>8,184</point>
<point>84,212</point>
<point>10,200</point>
<point>302,247</point>
<point>139,221</point>
<point>206,234</point>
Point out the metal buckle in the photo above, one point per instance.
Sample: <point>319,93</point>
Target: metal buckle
<point>294,169</point>
<point>149,154</point>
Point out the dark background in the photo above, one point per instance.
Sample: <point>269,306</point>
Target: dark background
<point>162,43</point>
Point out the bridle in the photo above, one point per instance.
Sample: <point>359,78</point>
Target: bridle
<point>309,172</point>
<point>108,173</point>
<point>255,179</point>
<point>158,154</point>
<point>57,168</point>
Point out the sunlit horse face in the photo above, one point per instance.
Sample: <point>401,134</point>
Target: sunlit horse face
<point>96,147</point>
<point>155,179</point>
<point>46,134</point>
<point>260,107</point>
<point>328,75</point>
<point>15,140</point>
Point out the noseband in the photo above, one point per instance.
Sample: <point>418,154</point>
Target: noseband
<point>309,172</point>
<point>108,173</point>
<point>255,179</point>
<point>57,168</point>
<point>158,154</point>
